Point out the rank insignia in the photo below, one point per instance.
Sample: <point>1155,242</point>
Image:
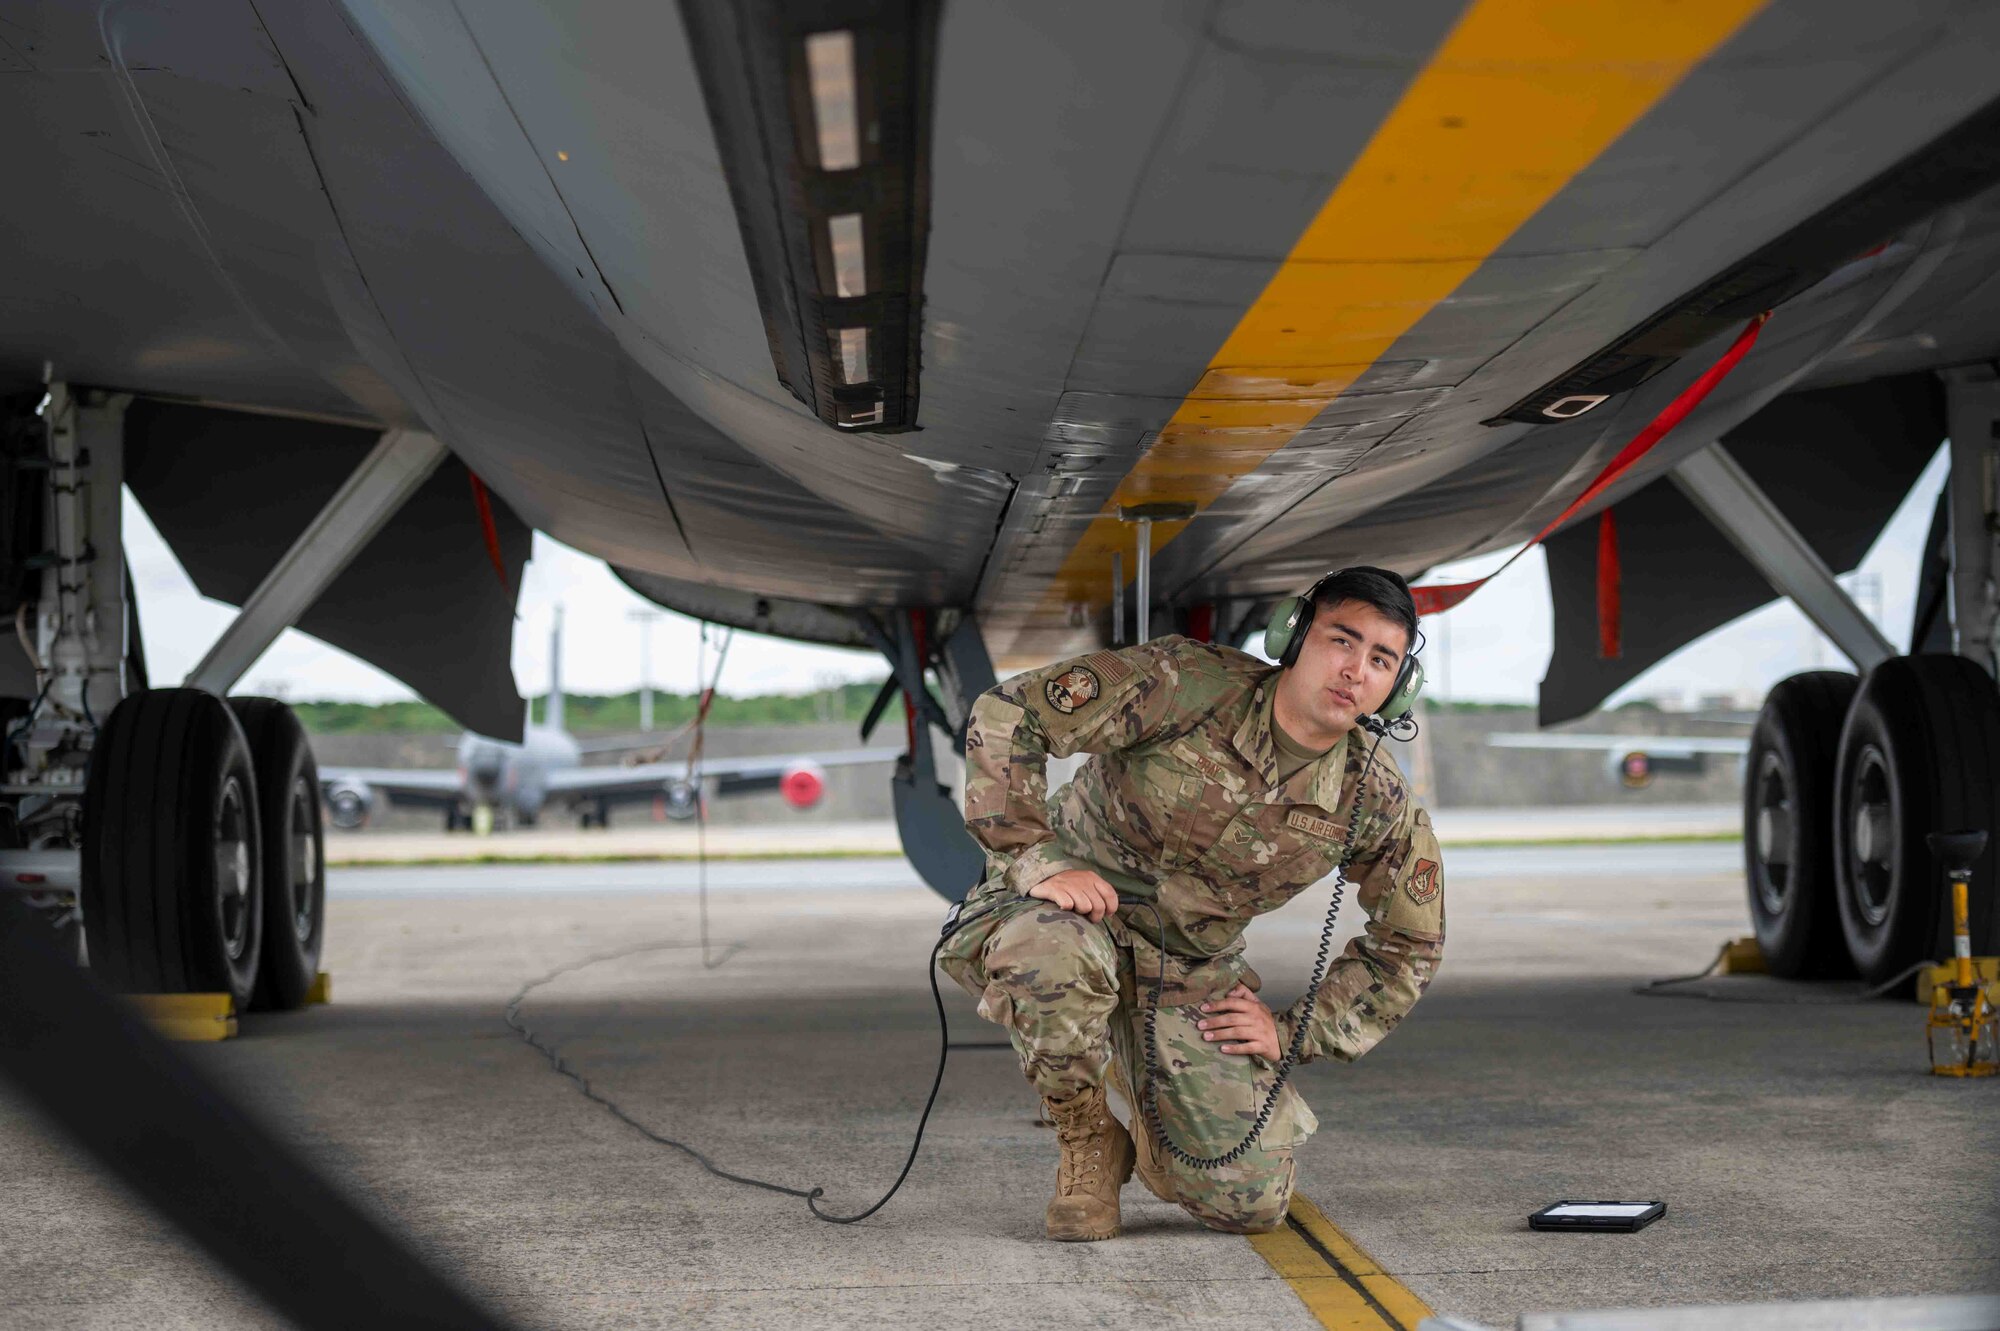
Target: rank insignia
<point>1072,689</point>
<point>1423,884</point>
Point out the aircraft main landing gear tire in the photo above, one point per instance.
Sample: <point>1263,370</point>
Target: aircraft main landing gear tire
<point>172,857</point>
<point>294,852</point>
<point>1788,824</point>
<point>1918,755</point>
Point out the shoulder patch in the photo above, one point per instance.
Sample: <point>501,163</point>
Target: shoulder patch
<point>1109,665</point>
<point>1312,824</point>
<point>1072,689</point>
<point>1423,884</point>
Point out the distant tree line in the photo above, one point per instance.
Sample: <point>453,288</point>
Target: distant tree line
<point>615,712</point>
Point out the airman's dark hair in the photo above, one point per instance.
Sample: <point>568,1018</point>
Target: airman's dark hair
<point>1381,588</point>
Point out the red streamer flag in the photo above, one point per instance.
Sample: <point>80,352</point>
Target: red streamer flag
<point>484,503</point>
<point>1610,610</point>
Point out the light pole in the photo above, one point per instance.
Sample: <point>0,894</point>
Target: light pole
<point>645,618</point>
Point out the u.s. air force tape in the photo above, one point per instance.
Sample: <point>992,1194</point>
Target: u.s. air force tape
<point>1315,826</point>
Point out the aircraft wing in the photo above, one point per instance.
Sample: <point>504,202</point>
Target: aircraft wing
<point>1658,746</point>
<point>735,776</point>
<point>424,785</point>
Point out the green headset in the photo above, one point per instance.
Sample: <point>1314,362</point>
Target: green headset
<point>1293,618</point>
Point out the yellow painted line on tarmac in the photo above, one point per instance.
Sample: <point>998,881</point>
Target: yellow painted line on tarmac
<point>1520,97</point>
<point>1341,1285</point>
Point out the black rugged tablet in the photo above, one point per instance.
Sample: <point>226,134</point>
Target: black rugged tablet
<point>1618,1216</point>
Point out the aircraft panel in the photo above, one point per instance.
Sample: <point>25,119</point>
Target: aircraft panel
<point>1448,434</point>
<point>263,478</point>
<point>1836,461</point>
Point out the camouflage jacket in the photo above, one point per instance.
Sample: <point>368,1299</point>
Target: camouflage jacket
<point>1179,807</point>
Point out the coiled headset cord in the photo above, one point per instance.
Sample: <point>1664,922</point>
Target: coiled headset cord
<point>1150,1099</point>
<point>953,923</point>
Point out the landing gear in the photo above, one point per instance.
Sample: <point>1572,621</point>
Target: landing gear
<point>597,813</point>
<point>1920,753</point>
<point>1788,824</point>
<point>172,861</point>
<point>457,820</point>
<point>294,868</point>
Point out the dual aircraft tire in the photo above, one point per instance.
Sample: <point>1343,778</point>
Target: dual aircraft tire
<point>294,852</point>
<point>1920,753</point>
<point>1788,824</point>
<point>1844,780</point>
<point>200,818</point>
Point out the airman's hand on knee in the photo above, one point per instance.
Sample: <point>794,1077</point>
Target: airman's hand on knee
<point>1240,1016</point>
<point>1079,890</point>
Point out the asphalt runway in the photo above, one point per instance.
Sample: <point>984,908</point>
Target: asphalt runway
<point>1802,1150</point>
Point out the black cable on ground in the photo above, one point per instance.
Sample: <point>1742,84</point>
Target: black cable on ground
<point>811,1196</point>
<point>1664,988</point>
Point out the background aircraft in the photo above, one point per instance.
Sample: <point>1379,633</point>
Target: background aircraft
<point>1633,761</point>
<point>500,783</point>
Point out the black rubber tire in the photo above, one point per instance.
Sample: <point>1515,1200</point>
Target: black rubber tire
<point>1921,746</point>
<point>1788,785</point>
<point>170,767</point>
<point>294,852</point>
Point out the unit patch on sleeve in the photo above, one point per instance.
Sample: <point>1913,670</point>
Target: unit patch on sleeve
<point>1072,689</point>
<point>1423,884</point>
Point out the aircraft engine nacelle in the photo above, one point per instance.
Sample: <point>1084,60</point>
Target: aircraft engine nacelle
<point>1636,768</point>
<point>348,804</point>
<point>802,786</point>
<point>680,800</point>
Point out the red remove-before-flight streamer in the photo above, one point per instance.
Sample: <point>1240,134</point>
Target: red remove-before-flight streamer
<point>1434,599</point>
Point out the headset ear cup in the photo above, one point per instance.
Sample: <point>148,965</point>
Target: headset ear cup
<point>1403,694</point>
<point>1282,630</point>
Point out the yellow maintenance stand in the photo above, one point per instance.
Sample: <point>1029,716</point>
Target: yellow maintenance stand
<point>1963,1030</point>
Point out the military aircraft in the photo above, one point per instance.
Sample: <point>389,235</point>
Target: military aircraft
<point>1633,761</point>
<point>499,783</point>
<point>985,332</point>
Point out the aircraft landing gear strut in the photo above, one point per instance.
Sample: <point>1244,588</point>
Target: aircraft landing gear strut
<point>185,830</point>
<point>1846,776</point>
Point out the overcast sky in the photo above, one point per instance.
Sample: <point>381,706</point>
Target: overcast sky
<point>1494,647</point>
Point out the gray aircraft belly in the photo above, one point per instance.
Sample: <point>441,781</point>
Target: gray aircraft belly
<point>512,223</point>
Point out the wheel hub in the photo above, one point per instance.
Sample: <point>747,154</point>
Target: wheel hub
<point>1874,852</point>
<point>1872,835</point>
<point>232,869</point>
<point>1774,834</point>
<point>304,863</point>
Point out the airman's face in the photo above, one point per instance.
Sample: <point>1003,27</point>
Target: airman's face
<point>1345,668</point>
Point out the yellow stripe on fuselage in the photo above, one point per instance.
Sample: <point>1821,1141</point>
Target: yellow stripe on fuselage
<point>1521,96</point>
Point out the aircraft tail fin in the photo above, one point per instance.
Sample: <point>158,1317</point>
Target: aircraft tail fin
<point>553,712</point>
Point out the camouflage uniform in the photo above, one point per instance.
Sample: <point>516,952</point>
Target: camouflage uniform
<point>1181,807</point>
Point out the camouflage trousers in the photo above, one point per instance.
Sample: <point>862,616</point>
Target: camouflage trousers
<point>1073,1004</point>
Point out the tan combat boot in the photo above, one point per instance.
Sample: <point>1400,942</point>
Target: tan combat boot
<point>1096,1161</point>
<point>1150,1160</point>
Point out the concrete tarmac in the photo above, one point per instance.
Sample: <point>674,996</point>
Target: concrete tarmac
<point>632,837</point>
<point>1802,1149</point>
